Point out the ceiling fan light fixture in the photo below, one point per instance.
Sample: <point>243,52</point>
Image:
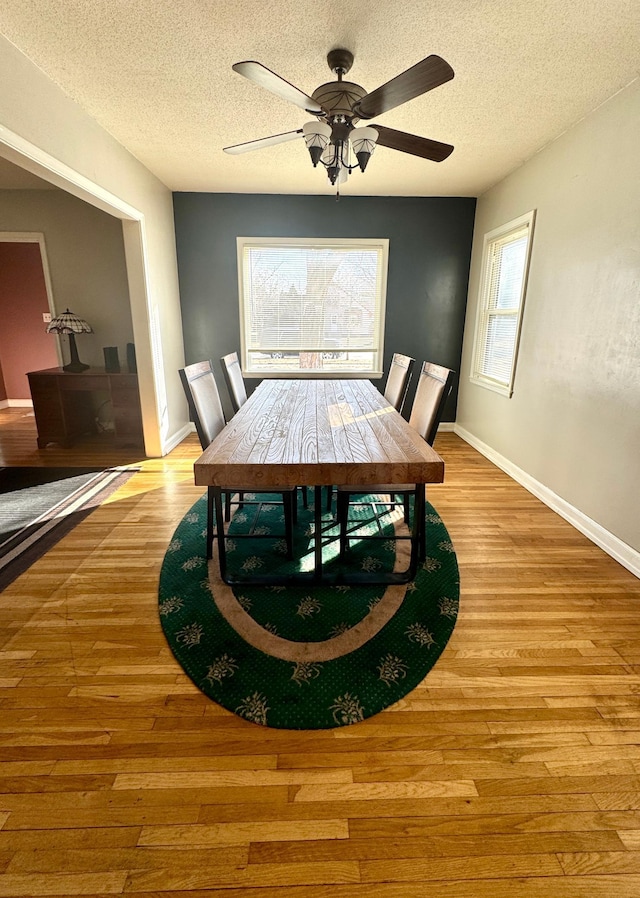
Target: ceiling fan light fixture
<point>363,141</point>
<point>332,173</point>
<point>332,160</point>
<point>316,136</point>
<point>337,174</point>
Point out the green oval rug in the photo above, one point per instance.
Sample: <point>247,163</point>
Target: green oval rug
<point>304,657</point>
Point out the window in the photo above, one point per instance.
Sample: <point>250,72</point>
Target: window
<point>503,282</point>
<point>309,306</point>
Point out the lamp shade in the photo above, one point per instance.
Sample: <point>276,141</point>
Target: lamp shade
<point>363,141</point>
<point>68,323</point>
<point>316,137</point>
<point>332,162</point>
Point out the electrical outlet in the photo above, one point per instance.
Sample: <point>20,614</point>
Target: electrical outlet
<point>46,317</point>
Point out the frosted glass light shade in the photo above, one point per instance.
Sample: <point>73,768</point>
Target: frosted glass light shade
<point>363,141</point>
<point>316,136</point>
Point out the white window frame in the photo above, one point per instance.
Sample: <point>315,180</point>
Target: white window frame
<point>485,314</point>
<point>381,244</point>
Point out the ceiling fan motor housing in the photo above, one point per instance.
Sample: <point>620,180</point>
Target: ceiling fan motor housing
<point>338,98</point>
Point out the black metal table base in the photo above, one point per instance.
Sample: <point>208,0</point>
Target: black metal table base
<point>318,575</point>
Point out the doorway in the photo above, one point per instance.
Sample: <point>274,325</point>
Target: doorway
<point>25,304</point>
<point>17,151</point>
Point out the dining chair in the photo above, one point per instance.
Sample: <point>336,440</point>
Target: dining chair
<point>434,386</point>
<point>238,396</point>
<point>234,380</point>
<point>398,378</point>
<point>206,411</point>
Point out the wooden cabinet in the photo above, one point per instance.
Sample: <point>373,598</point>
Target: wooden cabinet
<point>125,400</point>
<point>65,405</point>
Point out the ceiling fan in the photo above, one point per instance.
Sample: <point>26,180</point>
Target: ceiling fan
<point>333,140</point>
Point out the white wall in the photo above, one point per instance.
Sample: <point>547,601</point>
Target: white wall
<point>573,423</point>
<point>39,113</point>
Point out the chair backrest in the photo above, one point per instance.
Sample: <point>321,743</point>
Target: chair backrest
<point>434,385</point>
<point>398,379</point>
<point>203,397</point>
<point>234,379</point>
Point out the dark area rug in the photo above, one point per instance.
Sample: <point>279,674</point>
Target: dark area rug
<point>38,506</point>
<point>304,656</point>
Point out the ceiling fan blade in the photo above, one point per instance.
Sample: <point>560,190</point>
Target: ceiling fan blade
<point>409,143</point>
<point>263,142</point>
<point>263,76</point>
<point>420,78</point>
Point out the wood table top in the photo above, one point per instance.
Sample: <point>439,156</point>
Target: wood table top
<point>317,432</point>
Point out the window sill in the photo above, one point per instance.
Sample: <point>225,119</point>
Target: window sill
<point>502,389</point>
<point>307,374</point>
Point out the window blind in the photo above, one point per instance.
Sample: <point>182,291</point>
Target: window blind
<point>306,298</point>
<point>505,267</point>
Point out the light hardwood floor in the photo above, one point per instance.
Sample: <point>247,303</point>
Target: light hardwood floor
<point>512,770</point>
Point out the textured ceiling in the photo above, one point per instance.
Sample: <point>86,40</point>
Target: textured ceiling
<point>157,75</point>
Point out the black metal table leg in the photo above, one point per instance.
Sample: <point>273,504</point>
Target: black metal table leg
<point>318,575</point>
<point>209,522</point>
<point>417,530</point>
<point>317,535</point>
<point>222,549</point>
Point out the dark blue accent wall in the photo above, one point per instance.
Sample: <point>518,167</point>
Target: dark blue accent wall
<point>429,255</point>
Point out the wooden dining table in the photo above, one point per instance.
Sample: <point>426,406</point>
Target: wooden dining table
<point>318,433</point>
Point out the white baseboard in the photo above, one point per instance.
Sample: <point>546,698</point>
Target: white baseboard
<point>16,403</point>
<point>446,426</point>
<point>177,438</point>
<point>616,548</point>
